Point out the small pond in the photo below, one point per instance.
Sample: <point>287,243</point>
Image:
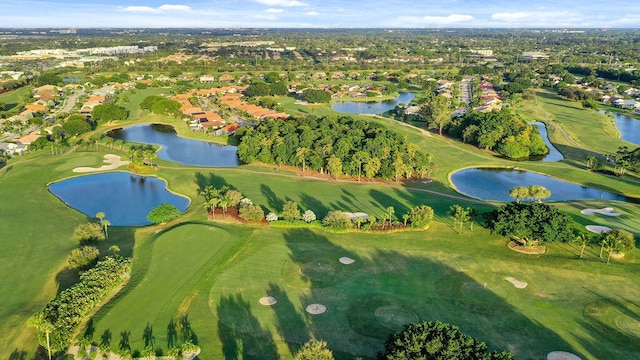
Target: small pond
<point>629,127</point>
<point>125,198</point>
<point>178,149</point>
<point>554,154</point>
<point>372,107</point>
<point>494,184</point>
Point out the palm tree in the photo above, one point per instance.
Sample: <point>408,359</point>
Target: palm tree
<point>611,245</point>
<point>472,214</point>
<point>100,216</point>
<point>390,212</point>
<point>42,325</point>
<point>105,226</point>
<point>459,215</point>
<point>582,240</point>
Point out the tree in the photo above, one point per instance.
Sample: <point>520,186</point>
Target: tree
<point>309,216</point>
<point>420,216</point>
<point>390,211</point>
<point>75,127</point>
<point>301,156</point>
<point>163,213</point>
<point>88,233</point>
<point>459,215</point>
<point>279,88</point>
<point>359,157</point>
<point>83,257</point>
<point>258,89</point>
<point>316,96</point>
<point>519,193</point>
<point>314,350</point>
<point>371,167</point>
<point>271,217</point>
<point>334,166</point>
<point>539,192</point>
<point>626,239</point>
<point>437,112</point>
<point>251,212</point>
<point>44,327</point>
<point>290,211</point>
<point>583,240</point>
<point>472,214</point>
<point>109,112</point>
<point>105,226</point>
<point>114,249</point>
<point>591,162</point>
<point>437,340</point>
<point>337,219</point>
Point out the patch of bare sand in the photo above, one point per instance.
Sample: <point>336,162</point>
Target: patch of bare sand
<point>598,229</point>
<point>268,300</point>
<point>346,260</point>
<point>562,355</point>
<point>607,211</point>
<point>355,215</point>
<point>112,162</point>
<point>517,283</point>
<point>316,309</point>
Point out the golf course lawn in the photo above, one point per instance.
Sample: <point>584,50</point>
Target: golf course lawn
<point>212,276</point>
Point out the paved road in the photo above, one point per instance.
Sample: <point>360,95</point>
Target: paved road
<point>70,102</point>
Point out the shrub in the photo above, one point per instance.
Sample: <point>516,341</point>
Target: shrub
<point>163,213</point>
<point>337,219</point>
<point>309,216</point>
<point>88,233</point>
<point>420,216</point>
<point>290,211</point>
<point>251,212</point>
<point>83,257</point>
<point>271,217</point>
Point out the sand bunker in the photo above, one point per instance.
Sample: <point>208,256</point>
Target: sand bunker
<point>112,161</point>
<point>268,300</point>
<point>357,215</point>
<point>315,309</point>
<point>608,211</point>
<point>517,283</point>
<point>562,355</point>
<point>346,260</point>
<point>598,229</point>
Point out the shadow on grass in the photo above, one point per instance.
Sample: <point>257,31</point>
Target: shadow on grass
<point>202,180</point>
<point>275,203</point>
<point>240,332</point>
<point>376,296</point>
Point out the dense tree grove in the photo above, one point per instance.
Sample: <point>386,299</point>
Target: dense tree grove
<point>57,321</point>
<point>501,131</point>
<point>316,96</point>
<point>161,106</point>
<point>437,340</point>
<point>109,112</point>
<point>337,145</point>
<point>537,222</point>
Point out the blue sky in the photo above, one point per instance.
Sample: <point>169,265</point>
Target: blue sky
<point>321,13</point>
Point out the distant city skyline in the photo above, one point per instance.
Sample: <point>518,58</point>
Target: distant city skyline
<point>321,14</point>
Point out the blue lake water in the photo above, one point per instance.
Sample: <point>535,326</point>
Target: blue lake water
<point>126,199</point>
<point>372,107</point>
<point>494,184</point>
<point>554,154</point>
<point>178,149</point>
<point>629,127</point>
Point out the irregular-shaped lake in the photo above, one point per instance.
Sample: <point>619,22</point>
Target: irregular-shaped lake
<point>372,107</point>
<point>126,199</point>
<point>629,127</point>
<point>178,149</point>
<point>494,184</point>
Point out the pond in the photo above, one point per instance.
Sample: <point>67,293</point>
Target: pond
<point>125,198</point>
<point>178,149</point>
<point>372,107</point>
<point>494,184</point>
<point>629,127</point>
<point>554,154</point>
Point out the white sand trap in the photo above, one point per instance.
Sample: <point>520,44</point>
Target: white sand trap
<point>268,300</point>
<point>598,229</point>
<point>562,355</point>
<point>608,211</point>
<point>357,215</point>
<point>346,260</point>
<point>316,309</point>
<point>112,161</point>
<point>517,283</point>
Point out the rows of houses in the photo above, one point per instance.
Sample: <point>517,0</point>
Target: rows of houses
<point>489,98</point>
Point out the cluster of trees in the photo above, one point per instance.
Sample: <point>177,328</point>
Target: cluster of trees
<point>612,241</point>
<point>532,223</point>
<point>462,215</point>
<point>336,145</point>
<point>56,323</point>
<point>574,93</point>
<point>142,154</point>
<point>316,96</point>
<point>224,198</point>
<point>534,192</point>
<point>437,340</point>
<point>624,159</point>
<point>76,124</point>
<point>501,131</point>
<point>161,106</point>
<point>261,88</point>
<point>109,112</point>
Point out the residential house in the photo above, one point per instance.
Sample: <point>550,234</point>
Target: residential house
<point>207,79</point>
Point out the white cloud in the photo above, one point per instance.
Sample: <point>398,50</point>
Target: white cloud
<point>536,17</point>
<point>451,19</point>
<point>285,3</point>
<point>265,17</point>
<point>273,11</point>
<point>159,9</point>
<point>312,13</point>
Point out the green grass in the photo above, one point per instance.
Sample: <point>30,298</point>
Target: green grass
<point>12,98</point>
